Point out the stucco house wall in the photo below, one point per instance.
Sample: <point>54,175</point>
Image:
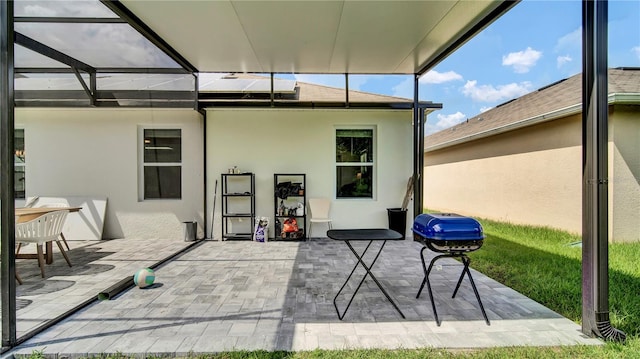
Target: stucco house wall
<point>624,183</point>
<point>527,176</point>
<point>533,175</point>
<point>94,152</point>
<point>267,141</point>
<point>521,161</point>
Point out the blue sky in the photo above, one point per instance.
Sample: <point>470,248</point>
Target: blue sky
<point>533,45</point>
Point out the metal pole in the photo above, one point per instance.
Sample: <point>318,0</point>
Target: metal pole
<point>346,90</point>
<point>271,96</point>
<point>595,216</point>
<point>419,197</point>
<point>417,151</point>
<point>7,196</point>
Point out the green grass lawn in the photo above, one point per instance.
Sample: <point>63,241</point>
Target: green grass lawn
<point>541,264</point>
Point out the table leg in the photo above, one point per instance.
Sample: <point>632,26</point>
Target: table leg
<point>347,281</point>
<point>368,270</point>
<point>49,252</point>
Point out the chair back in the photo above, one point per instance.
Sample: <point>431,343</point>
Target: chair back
<point>44,228</point>
<point>319,207</point>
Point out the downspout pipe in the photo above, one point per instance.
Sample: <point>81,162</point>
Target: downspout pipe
<point>595,216</point>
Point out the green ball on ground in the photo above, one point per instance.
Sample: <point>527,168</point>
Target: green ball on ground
<point>144,277</point>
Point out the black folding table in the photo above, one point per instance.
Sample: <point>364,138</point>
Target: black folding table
<point>371,235</point>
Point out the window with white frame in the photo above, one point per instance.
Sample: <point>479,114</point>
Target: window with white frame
<point>19,181</point>
<point>355,162</point>
<point>162,163</point>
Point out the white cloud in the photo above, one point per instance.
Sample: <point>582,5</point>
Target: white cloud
<point>522,61</point>
<point>104,45</point>
<point>485,108</point>
<point>38,10</point>
<point>435,77</point>
<point>72,8</point>
<point>636,50</point>
<point>444,122</point>
<point>570,42</point>
<point>563,60</point>
<point>404,89</point>
<point>356,82</point>
<point>489,93</point>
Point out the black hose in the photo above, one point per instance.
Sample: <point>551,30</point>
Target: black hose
<point>116,289</point>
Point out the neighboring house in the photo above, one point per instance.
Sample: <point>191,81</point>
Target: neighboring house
<point>101,152</point>
<point>521,162</point>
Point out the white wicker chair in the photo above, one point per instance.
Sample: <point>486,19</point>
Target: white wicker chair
<point>319,212</point>
<point>39,231</point>
<point>56,205</point>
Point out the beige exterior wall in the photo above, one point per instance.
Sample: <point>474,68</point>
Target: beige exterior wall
<point>267,141</point>
<point>624,181</point>
<point>534,176</point>
<point>527,176</point>
<point>94,152</point>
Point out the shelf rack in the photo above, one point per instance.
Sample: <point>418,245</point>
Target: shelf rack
<point>291,200</point>
<point>238,205</point>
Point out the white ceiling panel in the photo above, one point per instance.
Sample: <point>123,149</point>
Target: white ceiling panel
<point>306,36</point>
<point>300,34</point>
<point>381,34</point>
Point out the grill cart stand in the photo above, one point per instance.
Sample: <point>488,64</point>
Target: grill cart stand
<point>452,235</point>
<point>465,261</point>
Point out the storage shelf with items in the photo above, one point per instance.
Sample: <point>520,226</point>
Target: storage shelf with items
<point>289,204</point>
<point>238,206</point>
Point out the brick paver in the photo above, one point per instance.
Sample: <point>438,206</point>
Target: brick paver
<point>278,296</point>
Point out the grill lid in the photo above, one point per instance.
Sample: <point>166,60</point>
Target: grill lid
<point>447,226</point>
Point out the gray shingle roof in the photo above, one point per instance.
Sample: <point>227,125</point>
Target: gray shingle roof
<point>555,97</point>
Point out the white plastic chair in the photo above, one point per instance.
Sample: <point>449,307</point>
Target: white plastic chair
<point>56,205</point>
<point>319,212</point>
<point>41,230</point>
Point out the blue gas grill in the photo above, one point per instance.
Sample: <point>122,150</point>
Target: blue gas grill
<point>453,236</point>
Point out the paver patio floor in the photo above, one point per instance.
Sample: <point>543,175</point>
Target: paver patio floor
<point>279,296</point>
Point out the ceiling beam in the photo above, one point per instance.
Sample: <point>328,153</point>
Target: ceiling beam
<point>70,20</point>
<point>105,70</point>
<point>124,13</point>
<point>103,95</point>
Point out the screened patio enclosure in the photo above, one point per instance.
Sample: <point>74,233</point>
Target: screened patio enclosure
<point>149,53</point>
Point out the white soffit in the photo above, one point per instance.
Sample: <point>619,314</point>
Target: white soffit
<point>310,36</point>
